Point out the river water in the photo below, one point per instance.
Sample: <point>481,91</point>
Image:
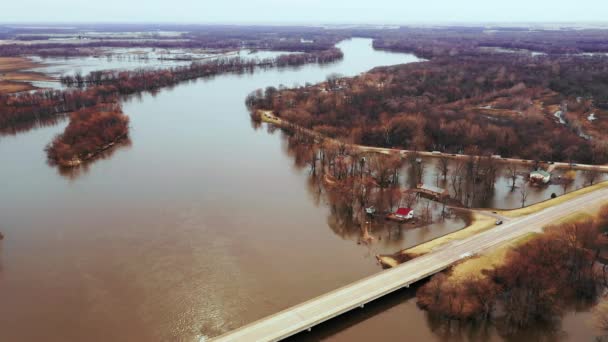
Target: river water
<point>200,225</point>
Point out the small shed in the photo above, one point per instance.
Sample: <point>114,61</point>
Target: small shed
<point>433,190</point>
<point>540,176</point>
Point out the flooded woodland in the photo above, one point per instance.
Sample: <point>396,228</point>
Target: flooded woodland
<point>206,221</point>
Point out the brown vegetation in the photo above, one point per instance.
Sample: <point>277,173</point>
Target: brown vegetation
<point>89,132</point>
<point>465,98</point>
<point>434,42</point>
<point>14,87</point>
<point>14,79</point>
<point>536,281</point>
<point>8,64</point>
<point>127,82</point>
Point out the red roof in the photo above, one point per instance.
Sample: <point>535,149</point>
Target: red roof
<point>404,211</point>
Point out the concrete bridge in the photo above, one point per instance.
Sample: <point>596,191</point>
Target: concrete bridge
<point>315,311</point>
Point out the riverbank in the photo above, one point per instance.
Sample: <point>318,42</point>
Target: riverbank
<point>551,202</point>
<point>77,161</point>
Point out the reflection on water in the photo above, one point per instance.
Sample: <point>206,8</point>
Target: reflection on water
<point>74,172</point>
<point>502,195</point>
<point>397,317</point>
<point>24,127</point>
<point>348,181</point>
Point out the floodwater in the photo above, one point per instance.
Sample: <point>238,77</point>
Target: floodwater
<point>201,225</point>
<point>504,195</point>
<point>132,59</point>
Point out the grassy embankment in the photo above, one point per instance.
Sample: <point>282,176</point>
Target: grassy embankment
<point>551,202</point>
<point>479,223</point>
<point>474,267</point>
<point>268,117</point>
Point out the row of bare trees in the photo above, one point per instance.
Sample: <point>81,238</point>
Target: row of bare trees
<point>537,281</point>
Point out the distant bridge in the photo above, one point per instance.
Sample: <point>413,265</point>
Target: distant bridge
<point>325,307</point>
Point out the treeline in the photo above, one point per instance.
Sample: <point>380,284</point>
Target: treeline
<point>296,39</point>
<point>424,42</point>
<point>127,82</point>
<point>26,109</point>
<point>329,55</point>
<point>492,103</point>
<point>537,281</point>
<point>451,41</point>
<point>89,132</point>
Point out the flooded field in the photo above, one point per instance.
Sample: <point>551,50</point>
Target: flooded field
<point>504,196</point>
<point>132,59</point>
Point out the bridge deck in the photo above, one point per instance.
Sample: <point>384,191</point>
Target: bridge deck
<point>308,314</point>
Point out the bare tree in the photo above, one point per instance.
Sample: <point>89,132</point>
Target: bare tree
<point>524,192</point>
<point>567,179</point>
<point>427,215</point>
<point>456,179</point>
<point>410,199</point>
<point>591,175</point>
<point>512,174</point>
<point>444,163</point>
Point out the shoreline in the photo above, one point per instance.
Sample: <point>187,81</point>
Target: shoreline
<point>77,161</point>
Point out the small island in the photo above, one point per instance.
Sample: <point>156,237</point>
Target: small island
<point>90,132</point>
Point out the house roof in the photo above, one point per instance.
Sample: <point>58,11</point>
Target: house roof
<point>431,188</point>
<point>404,211</point>
<point>541,173</point>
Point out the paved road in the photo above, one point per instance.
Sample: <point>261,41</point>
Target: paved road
<point>308,314</point>
<point>556,165</point>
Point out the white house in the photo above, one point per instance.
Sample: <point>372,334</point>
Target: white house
<point>540,176</point>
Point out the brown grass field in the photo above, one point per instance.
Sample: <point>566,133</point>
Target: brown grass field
<point>14,77</point>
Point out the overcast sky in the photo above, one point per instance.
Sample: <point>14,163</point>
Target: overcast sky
<point>304,11</point>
